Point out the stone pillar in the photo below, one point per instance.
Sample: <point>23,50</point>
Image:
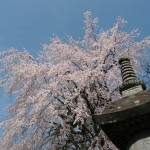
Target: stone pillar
<point>140,141</point>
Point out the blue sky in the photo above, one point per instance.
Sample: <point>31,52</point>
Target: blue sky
<point>31,23</point>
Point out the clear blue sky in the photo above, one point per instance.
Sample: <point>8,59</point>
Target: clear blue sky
<point>30,23</point>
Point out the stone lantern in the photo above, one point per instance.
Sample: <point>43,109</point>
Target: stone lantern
<point>127,121</point>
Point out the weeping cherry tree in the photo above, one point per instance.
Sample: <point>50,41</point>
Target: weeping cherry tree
<point>58,93</point>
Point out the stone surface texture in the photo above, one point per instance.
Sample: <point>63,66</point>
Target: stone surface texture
<point>141,141</point>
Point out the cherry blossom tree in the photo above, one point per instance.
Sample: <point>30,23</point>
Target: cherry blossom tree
<point>58,93</point>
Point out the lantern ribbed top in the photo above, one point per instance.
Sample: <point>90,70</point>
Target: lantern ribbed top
<point>127,70</point>
<point>131,84</point>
